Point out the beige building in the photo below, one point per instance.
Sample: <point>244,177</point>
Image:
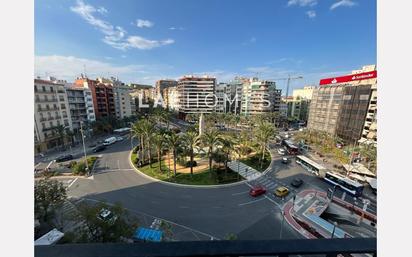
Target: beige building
<point>298,103</point>
<point>346,106</point>
<point>123,101</point>
<point>51,110</point>
<point>171,98</point>
<point>259,97</point>
<point>196,94</point>
<point>163,84</point>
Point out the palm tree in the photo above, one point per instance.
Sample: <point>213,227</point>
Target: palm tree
<point>61,131</point>
<point>227,144</point>
<point>148,129</point>
<point>191,140</point>
<point>158,142</point>
<point>137,132</point>
<point>173,142</point>
<point>210,138</point>
<point>263,133</point>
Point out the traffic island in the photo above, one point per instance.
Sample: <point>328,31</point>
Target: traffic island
<point>201,177</point>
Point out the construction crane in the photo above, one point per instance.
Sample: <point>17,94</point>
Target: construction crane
<point>288,82</point>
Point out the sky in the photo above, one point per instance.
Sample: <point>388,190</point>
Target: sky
<point>141,41</point>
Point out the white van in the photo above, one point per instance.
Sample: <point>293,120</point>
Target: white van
<point>109,141</point>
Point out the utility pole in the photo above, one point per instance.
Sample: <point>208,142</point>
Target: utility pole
<point>84,147</point>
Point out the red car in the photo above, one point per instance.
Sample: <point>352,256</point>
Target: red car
<point>256,191</point>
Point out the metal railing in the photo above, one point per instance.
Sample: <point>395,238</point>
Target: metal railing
<point>328,247</point>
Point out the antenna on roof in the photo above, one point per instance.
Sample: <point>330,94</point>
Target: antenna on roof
<point>84,69</point>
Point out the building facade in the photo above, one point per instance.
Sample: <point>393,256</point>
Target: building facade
<point>196,94</point>
<point>171,98</point>
<point>259,97</point>
<point>51,110</point>
<point>124,103</point>
<point>163,84</point>
<point>81,106</point>
<point>341,105</point>
<point>102,95</point>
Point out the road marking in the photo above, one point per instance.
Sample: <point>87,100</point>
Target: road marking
<point>241,193</point>
<point>273,201</point>
<point>254,201</point>
<point>72,182</point>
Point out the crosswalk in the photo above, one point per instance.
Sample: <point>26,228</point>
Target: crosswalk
<point>245,171</point>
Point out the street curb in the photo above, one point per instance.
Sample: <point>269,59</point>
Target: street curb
<point>181,185</point>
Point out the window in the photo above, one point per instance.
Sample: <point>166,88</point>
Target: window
<point>51,89</point>
<point>43,125</point>
<point>66,122</point>
<point>58,122</point>
<point>35,88</point>
<point>51,123</point>
<point>47,107</point>
<point>61,98</point>
<point>43,88</point>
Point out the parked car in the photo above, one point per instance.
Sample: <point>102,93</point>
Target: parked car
<point>297,182</point>
<point>281,191</point>
<point>107,215</point>
<point>64,158</point>
<point>285,160</point>
<point>99,148</point>
<point>281,151</point>
<point>257,190</point>
<point>109,141</point>
<point>119,139</point>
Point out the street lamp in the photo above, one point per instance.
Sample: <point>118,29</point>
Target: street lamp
<point>281,226</point>
<point>84,147</point>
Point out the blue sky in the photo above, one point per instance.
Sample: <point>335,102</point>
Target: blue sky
<point>142,41</point>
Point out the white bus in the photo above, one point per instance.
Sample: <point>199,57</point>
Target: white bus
<point>311,166</point>
<point>352,187</point>
<point>109,141</point>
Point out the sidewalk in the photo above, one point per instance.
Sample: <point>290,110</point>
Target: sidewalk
<point>244,170</point>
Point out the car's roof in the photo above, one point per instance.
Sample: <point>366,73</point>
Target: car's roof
<point>282,188</point>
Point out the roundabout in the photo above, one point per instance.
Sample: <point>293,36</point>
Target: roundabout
<point>213,210</point>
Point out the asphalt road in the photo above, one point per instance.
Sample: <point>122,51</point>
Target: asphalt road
<point>213,211</point>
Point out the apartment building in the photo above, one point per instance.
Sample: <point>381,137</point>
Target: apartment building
<point>143,98</point>
<point>298,103</point>
<point>196,94</point>
<point>259,97</point>
<point>163,84</point>
<point>220,93</point>
<point>123,101</point>
<point>344,106</point>
<point>102,95</point>
<point>81,106</point>
<point>51,110</point>
<point>171,98</point>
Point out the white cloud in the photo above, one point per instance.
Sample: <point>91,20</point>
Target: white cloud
<point>144,23</point>
<point>115,36</point>
<point>70,67</point>
<point>311,14</point>
<point>177,28</point>
<point>252,40</point>
<point>102,10</point>
<point>342,3</point>
<point>302,3</point>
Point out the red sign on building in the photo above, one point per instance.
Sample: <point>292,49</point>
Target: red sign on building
<point>349,78</point>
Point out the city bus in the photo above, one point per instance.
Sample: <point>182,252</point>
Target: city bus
<point>311,166</point>
<point>352,187</point>
<point>122,131</point>
<point>291,148</point>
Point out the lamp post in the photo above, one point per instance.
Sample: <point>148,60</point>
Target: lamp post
<point>84,148</point>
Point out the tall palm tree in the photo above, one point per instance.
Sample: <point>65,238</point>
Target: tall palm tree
<point>173,142</point>
<point>61,131</point>
<point>227,144</point>
<point>137,132</point>
<point>191,140</point>
<point>159,141</point>
<point>210,138</point>
<point>148,128</point>
<point>263,133</point>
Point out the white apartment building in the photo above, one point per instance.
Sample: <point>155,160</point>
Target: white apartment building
<point>51,110</point>
<point>123,101</point>
<point>81,106</point>
<point>259,97</point>
<point>196,94</point>
<point>220,93</point>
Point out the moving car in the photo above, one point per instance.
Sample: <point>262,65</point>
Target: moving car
<point>281,151</point>
<point>119,139</point>
<point>107,215</point>
<point>64,158</point>
<point>297,182</point>
<point>285,160</point>
<point>99,148</point>
<point>109,141</point>
<point>257,190</point>
<point>281,191</point>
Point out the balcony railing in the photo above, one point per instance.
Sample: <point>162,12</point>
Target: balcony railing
<point>281,248</point>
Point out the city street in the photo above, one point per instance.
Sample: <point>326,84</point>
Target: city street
<point>216,211</point>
